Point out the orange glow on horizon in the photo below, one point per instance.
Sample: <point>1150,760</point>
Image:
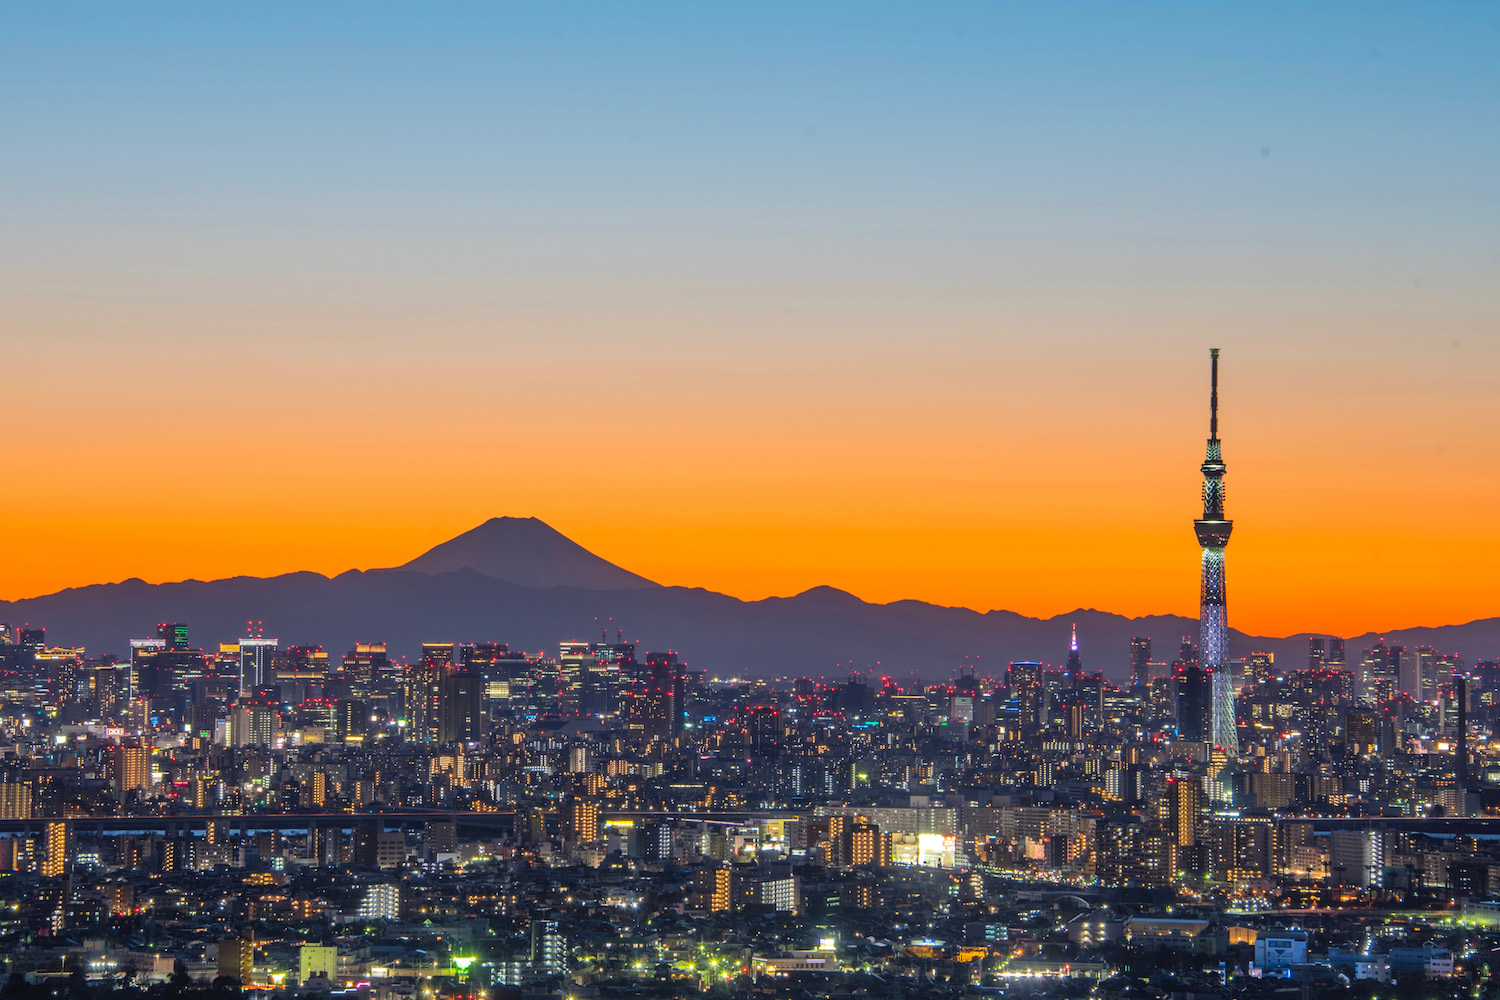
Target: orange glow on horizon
<point>1040,478</point>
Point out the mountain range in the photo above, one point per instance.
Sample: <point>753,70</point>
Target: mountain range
<point>518,580</point>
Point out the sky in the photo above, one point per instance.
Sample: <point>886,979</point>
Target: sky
<point>912,300</point>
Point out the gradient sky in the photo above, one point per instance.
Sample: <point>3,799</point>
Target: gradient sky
<point>913,300</point>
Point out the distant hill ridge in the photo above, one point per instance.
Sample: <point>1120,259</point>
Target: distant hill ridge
<point>517,580</point>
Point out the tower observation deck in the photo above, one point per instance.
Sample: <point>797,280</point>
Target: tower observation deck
<point>1213,623</point>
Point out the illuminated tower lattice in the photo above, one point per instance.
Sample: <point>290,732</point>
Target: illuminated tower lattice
<point>1213,623</point>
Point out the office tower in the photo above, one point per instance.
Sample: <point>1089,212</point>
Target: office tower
<point>1361,730</point>
<point>299,672</point>
<point>173,634</point>
<point>1262,666</point>
<point>1140,660</point>
<point>1194,697</point>
<point>255,652</point>
<point>1074,669</point>
<point>661,702</point>
<point>143,678</point>
<point>1317,653</point>
<point>1025,681</point>
<point>1461,750</point>
<point>1409,674</point>
<point>364,666</point>
<point>1213,622</point>
<point>1088,695</point>
<point>1379,671</point>
<point>439,654</point>
<point>1336,653</point>
<point>255,721</point>
<point>594,672</point>
<point>1429,673</point>
<point>764,725</point>
<point>424,692</point>
<point>351,720</point>
<point>462,714</point>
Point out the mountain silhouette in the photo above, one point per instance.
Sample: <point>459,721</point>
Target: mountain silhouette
<point>459,592</point>
<point>529,552</point>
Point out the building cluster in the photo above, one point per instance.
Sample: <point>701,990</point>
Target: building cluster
<point>477,816</point>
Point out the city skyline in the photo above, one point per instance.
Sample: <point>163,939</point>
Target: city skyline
<point>893,307</point>
<point>635,502</point>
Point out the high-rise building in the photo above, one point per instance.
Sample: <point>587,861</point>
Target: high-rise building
<point>462,716</point>
<point>143,673</point>
<point>1361,730</point>
<point>1261,666</point>
<point>1025,681</point>
<point>1430,673</point>
<point>1140,660</point>
<point>1194,690</point>
<point>174,634</point>
<point>1213,531</point>
<point>15,800</point>
<point>661,702</point>
<point>1409,674</point>
<point>55,849</point>
<point>1184,807</point>
<point>1074,669</point>
<point>583,820</point>
<point>255,721</point>
<point>1317,653</point>
<point>763,725</point>
<point>867,844</point>
<point>255,652</point>
<point>424,692</point>
<point>1356,857</point>
<point>364,665</point>
<point>1379,672</point>
<point>131,768</point>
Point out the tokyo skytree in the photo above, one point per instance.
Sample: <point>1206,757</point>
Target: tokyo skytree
<point>1213,622</point>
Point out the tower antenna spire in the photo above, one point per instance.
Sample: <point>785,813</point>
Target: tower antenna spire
<point>1213,394</point>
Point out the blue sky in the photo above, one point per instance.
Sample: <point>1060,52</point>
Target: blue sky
<point>1010,228</point>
